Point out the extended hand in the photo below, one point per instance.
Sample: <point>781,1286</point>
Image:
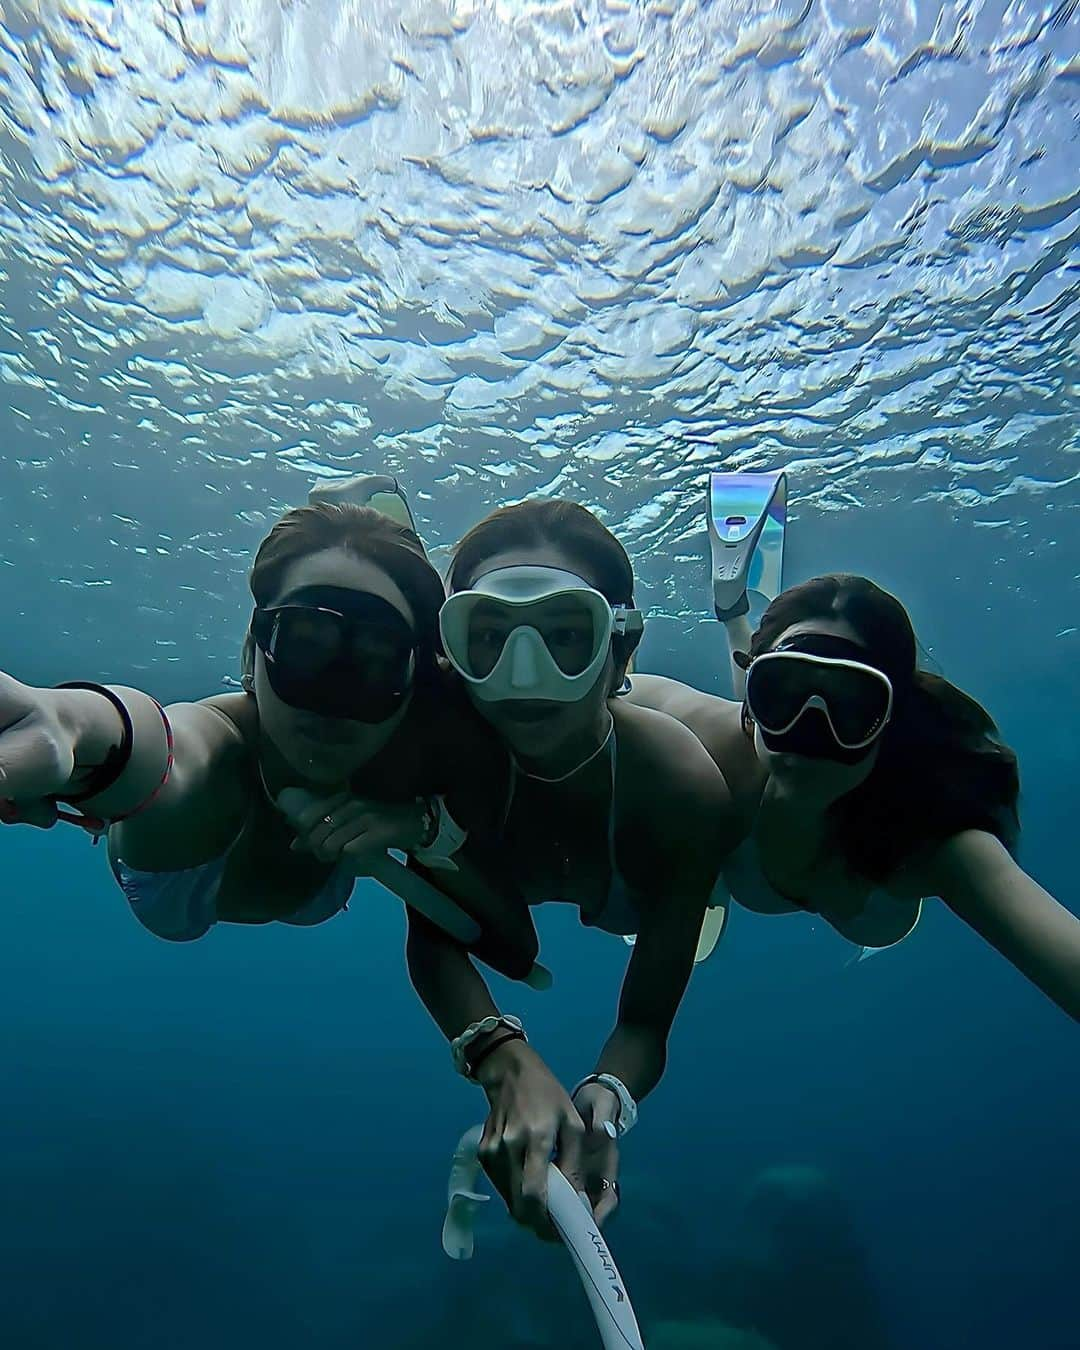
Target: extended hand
<point>36,755</point>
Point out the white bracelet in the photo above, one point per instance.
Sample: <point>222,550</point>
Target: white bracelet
<point>628,1111</point>
<point>460,1044</point>
<point>449,837</point>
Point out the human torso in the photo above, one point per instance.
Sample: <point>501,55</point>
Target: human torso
<point>243,867</point>
<point>784,864</point>
<point>589,841</point>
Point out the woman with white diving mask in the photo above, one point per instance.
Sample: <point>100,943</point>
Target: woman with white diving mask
<point>606,806</point>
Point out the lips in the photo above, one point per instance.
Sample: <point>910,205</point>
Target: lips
<point>327,734</point>
<point>527,711</point>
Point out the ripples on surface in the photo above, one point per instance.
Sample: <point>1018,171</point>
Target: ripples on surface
<point>511,247</point>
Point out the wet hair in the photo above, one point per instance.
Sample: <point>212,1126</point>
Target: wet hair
<point>602,559</point>
<point>366,533</point>
<point>941,767</point>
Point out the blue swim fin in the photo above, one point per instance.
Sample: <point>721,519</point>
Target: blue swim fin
<point>747,515</point>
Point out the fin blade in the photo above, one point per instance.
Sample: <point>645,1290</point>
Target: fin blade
<point>747,516</point>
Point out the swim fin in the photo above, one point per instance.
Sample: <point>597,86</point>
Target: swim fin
<point>380,491</point>
<point>712,930</point>
<point>747,514</point>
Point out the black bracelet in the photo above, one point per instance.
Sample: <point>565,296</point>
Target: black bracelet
<point>474,1062</point>
<point>105,774</point>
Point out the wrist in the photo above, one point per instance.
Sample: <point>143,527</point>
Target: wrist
<point>603,1101</point>
<point>506,1061</point>
<point>627,1112</point>
<point>91,725</point>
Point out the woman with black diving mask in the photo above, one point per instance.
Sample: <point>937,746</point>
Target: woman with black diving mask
<point>347,741</point>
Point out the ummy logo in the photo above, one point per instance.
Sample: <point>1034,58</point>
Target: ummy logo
<point>606,1262</point>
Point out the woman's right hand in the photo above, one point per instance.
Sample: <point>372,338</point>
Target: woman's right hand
<point>37,756</point>
<point>531,1118</point>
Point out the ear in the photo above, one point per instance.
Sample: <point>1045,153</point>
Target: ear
<point>623,647</point>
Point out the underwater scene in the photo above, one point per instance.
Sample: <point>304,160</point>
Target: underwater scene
<point>746,281</point>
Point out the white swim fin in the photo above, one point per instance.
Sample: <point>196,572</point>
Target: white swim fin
<point>712,930</point>
<point>747,516</point>
<point>380,491</point>
<point>462,1197</point>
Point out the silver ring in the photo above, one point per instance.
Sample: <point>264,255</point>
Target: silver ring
<point>328,820</point>
<point>606,1185</point>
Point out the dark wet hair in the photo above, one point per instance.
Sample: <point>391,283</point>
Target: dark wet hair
<point>941,767</point>
<point>367,533</point>
<point>602,559</point>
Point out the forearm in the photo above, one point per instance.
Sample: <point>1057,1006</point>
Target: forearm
<point>96,729</point>
<point>1040,937</point>
<point>443,975</point>
<point>982,885</point>
<point>635,1054</point>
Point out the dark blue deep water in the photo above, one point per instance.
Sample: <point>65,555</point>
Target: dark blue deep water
<point>504,248</point>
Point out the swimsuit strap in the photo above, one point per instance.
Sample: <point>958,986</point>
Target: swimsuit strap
<point>613,758</point>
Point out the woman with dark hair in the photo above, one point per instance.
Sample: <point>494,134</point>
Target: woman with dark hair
<point>606,806</point>
<point>268,804</point>
<point>871,784</point>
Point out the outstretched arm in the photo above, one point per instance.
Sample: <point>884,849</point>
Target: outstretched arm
<point>57,744</point>
<point>530,1115</point>
<point>979,881</point>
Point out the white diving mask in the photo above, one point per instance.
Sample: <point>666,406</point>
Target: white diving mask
<point>532,633</point>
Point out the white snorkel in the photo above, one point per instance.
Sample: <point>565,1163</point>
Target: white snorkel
<point>573,1220</point>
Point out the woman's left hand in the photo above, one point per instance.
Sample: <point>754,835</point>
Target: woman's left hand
<point>351,831</point>
<point>598,1107</point>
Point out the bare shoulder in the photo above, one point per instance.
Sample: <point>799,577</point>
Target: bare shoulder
<point>717,724</point>
<point>665,767</point>
<point>952,867</point>
<point>676,818</point>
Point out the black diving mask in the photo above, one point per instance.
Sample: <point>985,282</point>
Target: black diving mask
<point>338,653</point>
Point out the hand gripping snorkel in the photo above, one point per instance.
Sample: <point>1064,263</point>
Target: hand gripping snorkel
<point>573,1220</point>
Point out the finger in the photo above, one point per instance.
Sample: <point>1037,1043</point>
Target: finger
<point>495,1162</point>
<point>304,810</point>
<point>326,841</point>
<point>312,833</point>
<point>531,1209</point>
<point>361,856</point>
<point>30,764</point>
<point>570,1154</point>
<point>41,814</point>
<point>608,1202</point>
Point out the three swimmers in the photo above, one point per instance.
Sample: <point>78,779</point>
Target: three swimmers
<point>495,738</point>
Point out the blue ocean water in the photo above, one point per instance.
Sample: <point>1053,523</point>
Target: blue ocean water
<point>504,248</point>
